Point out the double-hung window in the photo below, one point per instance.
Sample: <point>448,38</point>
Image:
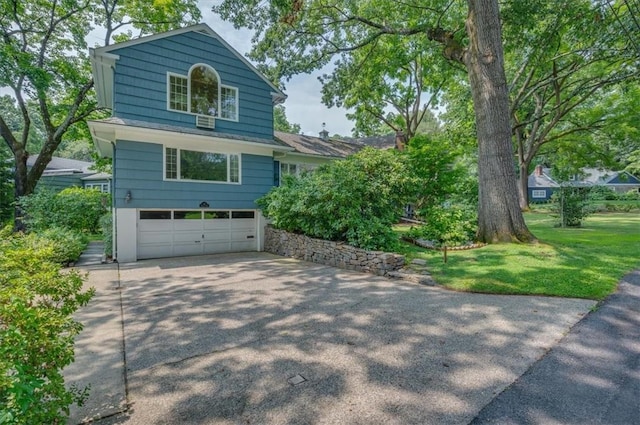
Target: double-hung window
<point>183,164</point>
<point>201,92</point>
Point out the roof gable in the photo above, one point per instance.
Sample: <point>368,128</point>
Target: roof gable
<point>103,61</point>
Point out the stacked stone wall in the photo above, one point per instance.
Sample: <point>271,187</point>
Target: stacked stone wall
<point>335,254</point>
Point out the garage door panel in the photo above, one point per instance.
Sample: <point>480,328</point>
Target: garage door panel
<point>180,249</point>
<point>187,237</point>
<point>155,238</point>
<point>213,247</point>
<point>217,224</point>
<point>154,251</point>
<point>237,246</point>
<point>186,225</point>
<point>195,232</point>
<point>154,225</point>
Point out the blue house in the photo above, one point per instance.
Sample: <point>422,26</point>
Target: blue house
<point>62,173</point>
<point>192,141</point>
<point>542,185</point>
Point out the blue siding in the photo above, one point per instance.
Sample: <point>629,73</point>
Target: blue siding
<point>58,183</point>
<point>139,170</point>
<point>140,83</point>
<point>548,193</point>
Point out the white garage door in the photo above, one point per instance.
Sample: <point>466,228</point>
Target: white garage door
<point>164,233</point>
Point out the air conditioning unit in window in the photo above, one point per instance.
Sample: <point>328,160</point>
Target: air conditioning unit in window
<point>205,121</point>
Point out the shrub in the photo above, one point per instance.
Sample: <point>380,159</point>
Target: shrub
<point>602,193</point>
<point>355,200</point>
<point>631,195</point>
<point>66,245</point>
<point>570,204</point>
<point>106,225</point>
<point>37,332</point>
<point>447,226</point>
<point>72,208</point>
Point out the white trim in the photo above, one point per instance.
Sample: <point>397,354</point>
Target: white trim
<point>175,74</point>
<point>277,94</point>
<point>126,235</point>
<point>220,87</point>
<point>112,132</point>
<point>237,103</point>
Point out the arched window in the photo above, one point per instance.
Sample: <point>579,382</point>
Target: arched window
<point>205,90</point>
<point>202,92</point>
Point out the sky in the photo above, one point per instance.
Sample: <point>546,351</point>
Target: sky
<point>304,99</point>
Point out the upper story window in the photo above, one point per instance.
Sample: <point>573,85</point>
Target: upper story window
<point>201,92</point>
<point>182,164</point>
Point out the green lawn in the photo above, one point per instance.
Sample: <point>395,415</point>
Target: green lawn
<point>585,262</point>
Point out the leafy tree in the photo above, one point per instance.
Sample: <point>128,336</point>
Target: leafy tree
<point>302,36</point>
<point>44,63</point>
<point>281,123</point>
<point>390,73</point>
<point>6,187</point>
<point>561,66</point>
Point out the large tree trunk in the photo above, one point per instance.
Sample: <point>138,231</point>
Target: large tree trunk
<point>523,189</point>
<point>499,216</point>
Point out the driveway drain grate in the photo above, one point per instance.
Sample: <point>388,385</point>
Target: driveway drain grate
<point>296,380</point>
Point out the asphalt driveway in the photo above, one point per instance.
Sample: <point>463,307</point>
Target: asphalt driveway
<point>254,338</point>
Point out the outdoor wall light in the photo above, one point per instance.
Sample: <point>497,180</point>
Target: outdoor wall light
<point>127,197</point>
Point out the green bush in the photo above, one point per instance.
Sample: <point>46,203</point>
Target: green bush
<point>73,208</point>
<point>355,200</point>
<point>66,245</point>
<point>447,226</point>
<point>570,204</point>
<point>37,331</point>
<point>106,225</point>
<point>602,193</point>
<point>631,195</point>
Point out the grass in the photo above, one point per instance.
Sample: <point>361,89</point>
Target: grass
<point>585,262</point>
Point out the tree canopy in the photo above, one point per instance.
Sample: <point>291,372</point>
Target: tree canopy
<point>302,36</point>
<point>44,63</point>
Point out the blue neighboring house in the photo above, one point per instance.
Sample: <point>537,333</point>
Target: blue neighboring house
<point>192,142</point>
<point>62,173</point>
<point>542,184</point>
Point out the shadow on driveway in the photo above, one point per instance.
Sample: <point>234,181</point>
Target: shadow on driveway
<point>217,339</point>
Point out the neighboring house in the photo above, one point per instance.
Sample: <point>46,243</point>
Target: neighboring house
<point>542,184</point>
<point>309,152</point>
<point>63,172</point>
<point>192,141</point>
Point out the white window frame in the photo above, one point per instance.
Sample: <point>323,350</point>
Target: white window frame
<point>535,194</point>
<point>179,179</point>
<point>102,187</point>
<point>301,167</point>
<point>236,112</point>
<point>220,87</point>
<point>184,77</point>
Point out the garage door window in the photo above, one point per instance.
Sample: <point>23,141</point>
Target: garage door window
<point>182,164</point>
<point>155,215</point>
<point>216,215</point>
<point>187,215</point>
<point>242,214</point>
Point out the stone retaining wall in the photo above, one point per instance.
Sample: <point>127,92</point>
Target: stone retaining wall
<point>335,254</point>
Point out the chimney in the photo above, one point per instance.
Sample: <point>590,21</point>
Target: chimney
<point>324,134</point>
<point>401,141</point>
<point>538,171</point>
